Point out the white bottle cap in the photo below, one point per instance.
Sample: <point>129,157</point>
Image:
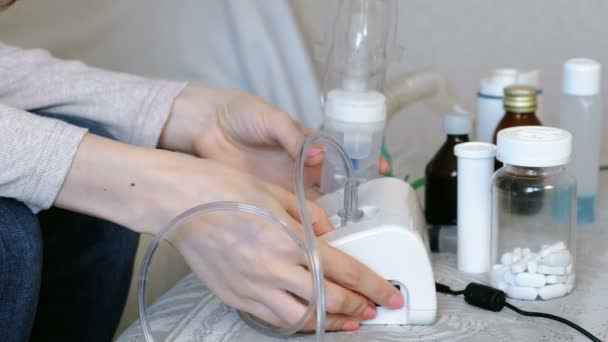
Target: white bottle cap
<point>475,150</point>
<point>534,146</point>
<point>358,107</point>
<point>502,78</point>
<point>494,85</point>
<point>581,76</point>
<point>457,124</point>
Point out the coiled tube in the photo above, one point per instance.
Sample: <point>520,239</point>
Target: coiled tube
<point>424,84</point>
<point>350,213</point>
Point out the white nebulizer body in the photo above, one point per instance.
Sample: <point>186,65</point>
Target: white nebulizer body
<point>391,239</point>
<point>355,109</point>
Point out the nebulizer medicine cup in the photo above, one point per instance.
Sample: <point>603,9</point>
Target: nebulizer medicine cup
<point>533,214</point>
<point>357,121</point>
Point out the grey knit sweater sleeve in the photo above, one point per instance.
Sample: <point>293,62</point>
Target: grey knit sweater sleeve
<point>36,152</point>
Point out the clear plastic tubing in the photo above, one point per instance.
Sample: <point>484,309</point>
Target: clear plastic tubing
<point>424,84</point>
<point>581,115</point>
<point>350,212</point>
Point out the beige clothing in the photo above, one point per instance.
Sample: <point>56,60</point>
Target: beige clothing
<point>36,152</point>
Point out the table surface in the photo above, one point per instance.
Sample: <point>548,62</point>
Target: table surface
<point>189,312</point>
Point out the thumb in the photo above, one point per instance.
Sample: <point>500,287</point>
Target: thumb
<point>290,134</point>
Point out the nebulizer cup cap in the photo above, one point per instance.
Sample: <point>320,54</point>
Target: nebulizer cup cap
<point>581,77</point>
<point>356,107</point>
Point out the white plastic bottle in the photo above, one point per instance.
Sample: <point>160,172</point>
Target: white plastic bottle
<point>475,168</point>
<point>581,114</point>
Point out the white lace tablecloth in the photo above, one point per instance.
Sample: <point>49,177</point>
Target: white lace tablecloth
<point>189,312</point>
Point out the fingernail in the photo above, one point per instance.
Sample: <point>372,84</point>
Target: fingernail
<point>315,151</point>
<point>369,313</point>
<point>350,325</point>
<point>395,302</point>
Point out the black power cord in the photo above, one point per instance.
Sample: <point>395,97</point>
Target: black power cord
<point>492,299</point>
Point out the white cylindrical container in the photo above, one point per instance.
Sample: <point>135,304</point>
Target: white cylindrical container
<point>490,108</point>
<point>357,120</point>
<point>581,115</point>
<point>475,168</point>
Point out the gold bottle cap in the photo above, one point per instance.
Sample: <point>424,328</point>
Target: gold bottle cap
<point>520,99</point>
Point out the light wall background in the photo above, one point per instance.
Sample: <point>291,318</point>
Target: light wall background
<point>465,39</point>
<point>217,41</point>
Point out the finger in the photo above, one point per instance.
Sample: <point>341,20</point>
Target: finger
<point>290,134</point>
<point>287,132</point>
<point>314,174</point>
<point>333,322</point>
<point>313,193</point>
<point>283,310</point>
<point>315,156</point>
<point>285,306</point>
<point>264,313</point>
<point>347,272</point>
<point>305,130</point>
<point>338,300</point>
<point>320,221</point>
<point>383,167</point>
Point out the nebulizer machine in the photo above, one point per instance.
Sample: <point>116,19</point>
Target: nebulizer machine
<point>378,221</point>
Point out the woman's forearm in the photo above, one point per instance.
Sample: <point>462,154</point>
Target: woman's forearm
<point>143,189</point>
<point>125,184</point>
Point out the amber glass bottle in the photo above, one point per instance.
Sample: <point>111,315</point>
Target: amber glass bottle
<point>520,104</point>
<point>441,172</point>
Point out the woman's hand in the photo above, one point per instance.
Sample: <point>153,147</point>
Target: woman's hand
<point>258,268</point>
<point>242,131</point>
<point>250,264</point>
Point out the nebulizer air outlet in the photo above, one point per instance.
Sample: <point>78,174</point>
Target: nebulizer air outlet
<point>349,213</point>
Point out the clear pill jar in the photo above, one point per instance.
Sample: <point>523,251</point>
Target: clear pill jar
<point>533,214</point>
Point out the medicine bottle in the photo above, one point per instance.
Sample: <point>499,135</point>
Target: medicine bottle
<point>520,103</point>
<point>440,174</point>
<point>490,98</point>
<point>533,253</point>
